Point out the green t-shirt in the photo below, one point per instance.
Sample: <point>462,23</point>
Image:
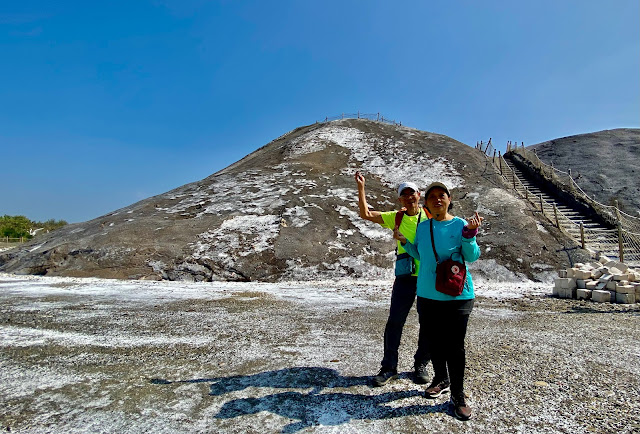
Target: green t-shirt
<point>407,228</point>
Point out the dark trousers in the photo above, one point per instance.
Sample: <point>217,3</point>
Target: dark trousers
<point>402,298</point>
<point>446,341</point>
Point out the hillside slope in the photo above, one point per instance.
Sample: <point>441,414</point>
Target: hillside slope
<point>289,211</point>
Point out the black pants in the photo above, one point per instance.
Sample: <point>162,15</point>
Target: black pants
<point>402,298</point>
<point>449,321</point>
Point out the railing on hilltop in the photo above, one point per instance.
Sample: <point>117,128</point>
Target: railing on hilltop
<point>621,242</point>
<point>369,116</point>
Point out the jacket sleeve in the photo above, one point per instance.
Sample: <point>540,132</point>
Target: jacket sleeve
<point>470,249</point>
<point>412,248</point>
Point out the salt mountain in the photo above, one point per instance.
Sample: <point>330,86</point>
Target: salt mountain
<point>288,211</point>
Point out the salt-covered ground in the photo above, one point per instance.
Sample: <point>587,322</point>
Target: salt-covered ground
<point>94,355</point>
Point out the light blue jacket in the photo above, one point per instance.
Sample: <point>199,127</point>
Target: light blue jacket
<point>449,242</point>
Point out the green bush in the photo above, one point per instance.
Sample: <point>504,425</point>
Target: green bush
<point>19,226</point>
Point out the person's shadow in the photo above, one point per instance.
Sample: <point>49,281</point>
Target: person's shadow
<point>327,403</point>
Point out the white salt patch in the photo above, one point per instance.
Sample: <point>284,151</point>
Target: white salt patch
<point>298,216</point>
<point>391,161</point>
<point>33,249</point>
<point>541,228</point>
<point>368,229</point>
<point>244,235</point>
<point>346,194</point>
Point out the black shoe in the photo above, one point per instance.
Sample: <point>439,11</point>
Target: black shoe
<point>420,375</point>
<point>460,408</point>
<point>437,388</point>
<point>384,376</point>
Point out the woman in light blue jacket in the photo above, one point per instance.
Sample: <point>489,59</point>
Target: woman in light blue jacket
<point>453,238</point>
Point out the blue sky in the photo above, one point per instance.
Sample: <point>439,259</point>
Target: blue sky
<point>107,103</point>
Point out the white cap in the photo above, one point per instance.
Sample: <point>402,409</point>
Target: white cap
<point>404,185</point>
<point>437,184</point>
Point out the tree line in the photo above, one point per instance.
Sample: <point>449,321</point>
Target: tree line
<point>21,227</point>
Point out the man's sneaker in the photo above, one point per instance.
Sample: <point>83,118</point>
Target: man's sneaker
<point>420,375</point>
<point>460,408</point>
<point>437,388</point>
<point>384,376</point>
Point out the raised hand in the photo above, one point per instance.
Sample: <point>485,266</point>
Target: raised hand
<point>475,221</point>
<point>359,179</point>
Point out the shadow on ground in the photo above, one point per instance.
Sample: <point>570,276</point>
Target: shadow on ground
<point>329,402</point>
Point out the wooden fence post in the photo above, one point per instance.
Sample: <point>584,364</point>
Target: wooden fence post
<point>541,207</point>
<point>582,235</point>
<point>500,162</point>
<point>555,213</point>
<point>620,242</point>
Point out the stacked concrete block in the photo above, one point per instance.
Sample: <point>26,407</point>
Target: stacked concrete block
<point>605,281</point>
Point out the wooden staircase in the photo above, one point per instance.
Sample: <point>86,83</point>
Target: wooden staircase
<point>587,232</point>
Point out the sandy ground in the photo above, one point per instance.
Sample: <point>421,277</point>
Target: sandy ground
<point>90,355</point>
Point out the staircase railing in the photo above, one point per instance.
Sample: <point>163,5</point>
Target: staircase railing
<point>629,223</point>
<point>618,242</point>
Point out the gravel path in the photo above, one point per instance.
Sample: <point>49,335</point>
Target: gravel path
<point>112,356</point>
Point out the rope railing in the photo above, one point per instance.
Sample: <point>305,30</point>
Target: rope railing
<point>619,243</point>
<point>369,116</point>
<point>614,214</point>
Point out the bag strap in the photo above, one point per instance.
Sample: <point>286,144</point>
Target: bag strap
<point>402,211</point>
<point>432,243</point>
<point>399,215</point>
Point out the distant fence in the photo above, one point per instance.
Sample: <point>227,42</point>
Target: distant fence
<point>370,116</point>
<point>13,240</point>
<point>623,241</point>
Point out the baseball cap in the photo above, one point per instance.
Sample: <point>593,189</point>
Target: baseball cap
<point>404,185</point>
<point>437,184</point>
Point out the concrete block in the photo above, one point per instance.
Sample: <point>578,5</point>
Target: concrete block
<point>583,294</point>
<point>625,298</point>
<point>594,265</point>
<point>610,264</point>
<point>603,259</point>
<point>582,274</point>
<point>565,282</point>
<point>581,283</point>
<point>571,272</point>
<point>598,273</point>
<point>615,271</point>
<point>562,273</point>
<point>600,296</point>
<point>619,277</point>
<point>625,289</point>
<point>591,285</point>
<point>606,278</point>
<point>637,297</point>
<point>601,285</point>
<point>567,292</point>
<point>578,265</point>
<point>554,291</point>
<point>611,286</point>
<point>612,296</point>
<point>621,266</point>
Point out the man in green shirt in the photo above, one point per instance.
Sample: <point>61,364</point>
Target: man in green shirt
<point>404,287</point>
